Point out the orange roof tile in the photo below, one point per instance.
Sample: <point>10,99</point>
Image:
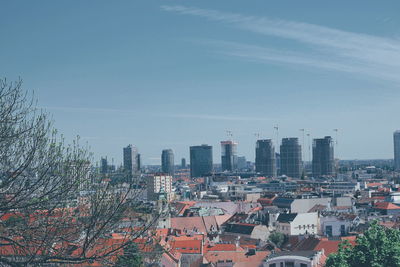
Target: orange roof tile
<point>223,247</point>
<point>330,246</point>
<point>239,258</point>
<point>187,246</point>
<point>386,206</point>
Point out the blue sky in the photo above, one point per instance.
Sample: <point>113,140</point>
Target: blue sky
<point>170,74</point>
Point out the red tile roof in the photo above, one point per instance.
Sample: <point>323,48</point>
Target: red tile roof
<point>330,246</point>
<point>386,206</point>
<point>239,258</point>
<point>374,184</point>
<point>187,246</point>
<point>222,247</point>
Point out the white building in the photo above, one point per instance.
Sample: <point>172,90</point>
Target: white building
<point>305,205</point>
<point>333,226</point>
<point>158,185</point>
<point>297,223</point>
<point>295,259</point>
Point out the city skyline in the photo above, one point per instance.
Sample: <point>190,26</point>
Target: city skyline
<point>202,68</point>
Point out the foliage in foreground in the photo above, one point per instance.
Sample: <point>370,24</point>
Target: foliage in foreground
<point>277,238</point>
<point>377,247</point>
<point>53,208</point>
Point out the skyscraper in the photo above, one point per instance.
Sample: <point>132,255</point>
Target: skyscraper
<point>228,156</point>
<point>103,165</point>
<point>201,161</point>
<point>131,160</point>
<point>396,141</point>
<point>167,161</point>
<point>139,162</point>
<point>323,162</point>
<point>291,162</point>
<point>183,163</point>
<point>241,163</point>
<point>265,158</point>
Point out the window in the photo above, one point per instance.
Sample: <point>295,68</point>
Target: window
<point>289,263</point>
<point>303,265</point>
<point>272,265</point>
<point>328,230</point>
<point>342,229</point>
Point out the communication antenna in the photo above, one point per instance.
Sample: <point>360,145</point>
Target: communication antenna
<point>257,135</point>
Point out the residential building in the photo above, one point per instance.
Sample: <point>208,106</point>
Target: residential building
<point>253,231</point>
<point>265,158</point>
<point>387,208</point>
<point>323,163</point>
<point>297,223</point>
<point>334,226</point>
<point>159,186</point>
<point>291,161</point>
<point>306,204</point>
<point>167,161</point>
<point>396,141</point>
<point>229,156</point>
<point>201,161</point>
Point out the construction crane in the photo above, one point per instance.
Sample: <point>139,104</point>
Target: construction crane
<point>303,152</point>
<point>229,134</point>
<point>336,141</point>
<point>277,135</point>
<point>309,147</point>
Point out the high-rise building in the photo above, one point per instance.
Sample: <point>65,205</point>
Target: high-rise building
<point>159,185</point>
<point>241,163</point>
<point>167,161</point>
<point>201,161</point>
<point>323,162</point>
<point>278,163</point>
<point>291,162</point>
<point>183,163</point>
<point>131,160</point>
<point>228,156</point>
<point>396,141</point>
<point>139,162</point>
<point>103,165</point>
<point>265,158</point>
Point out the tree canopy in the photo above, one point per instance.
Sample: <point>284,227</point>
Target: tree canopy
<point>377,247</point>
<point>277,238</point>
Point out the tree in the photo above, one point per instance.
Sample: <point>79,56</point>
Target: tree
<point>378,246</point>
<point>131,257</point>
<point>277,238</point>
<point>52,208</point>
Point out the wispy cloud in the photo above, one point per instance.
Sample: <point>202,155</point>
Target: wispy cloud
<point>328,48</point>
<point>177,116</point>
<point>215,117</point>
<point>91,110</point>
